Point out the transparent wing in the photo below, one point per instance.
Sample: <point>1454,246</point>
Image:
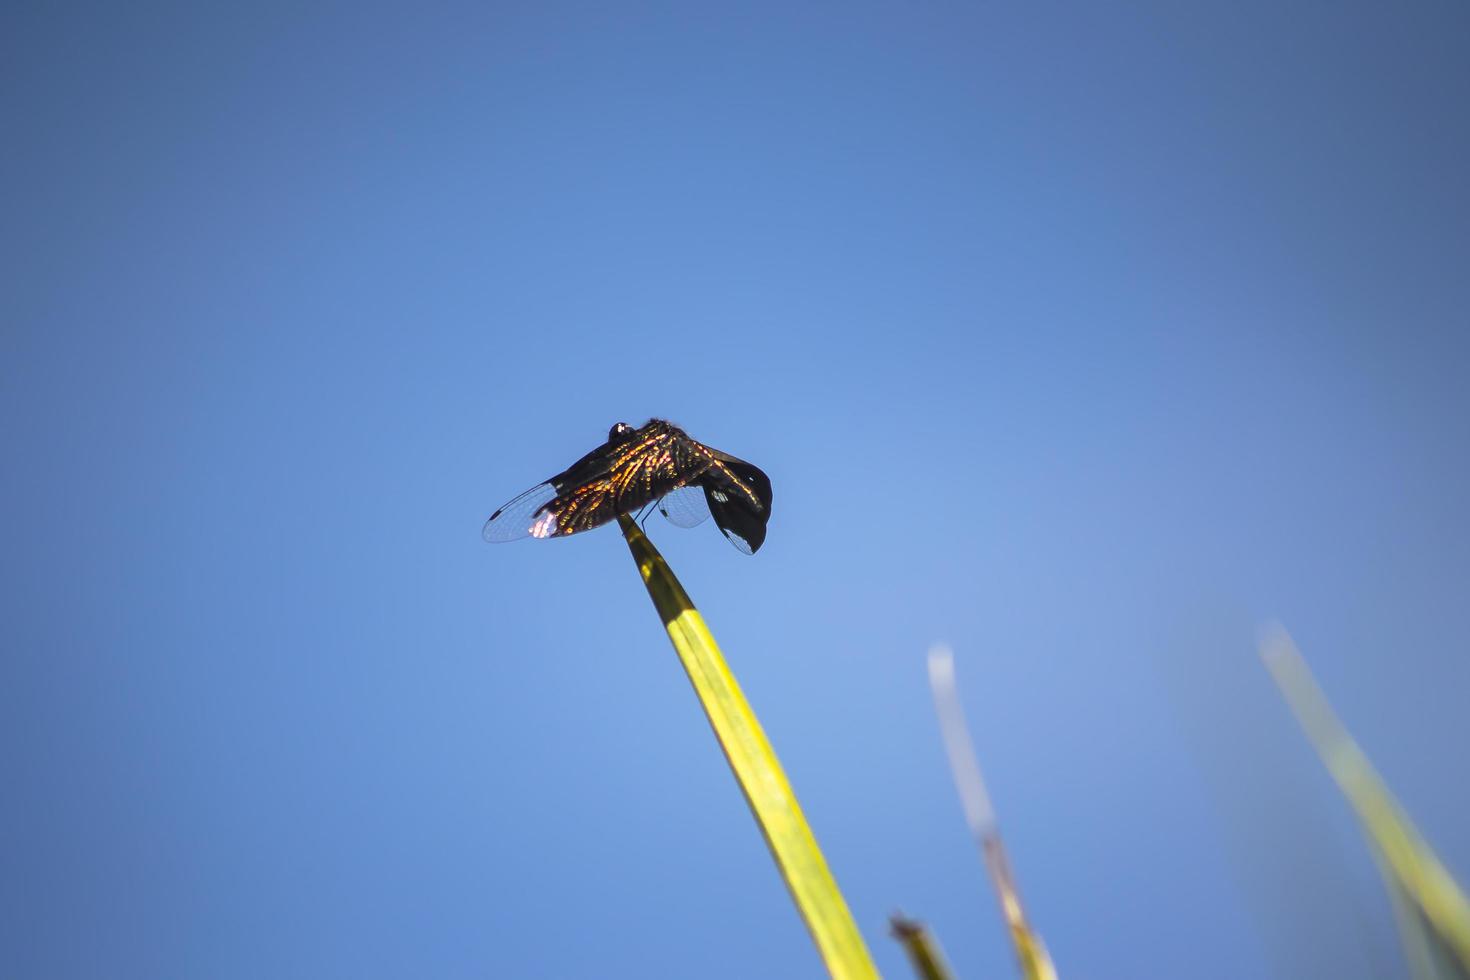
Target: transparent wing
<point>684,507</point>
<point>519,518</point>
<point>741,545</point>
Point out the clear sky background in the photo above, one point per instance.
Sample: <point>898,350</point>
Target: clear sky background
<point>1086,338</point>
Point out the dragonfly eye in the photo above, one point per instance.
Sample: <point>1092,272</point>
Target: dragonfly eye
<point>619,431</point>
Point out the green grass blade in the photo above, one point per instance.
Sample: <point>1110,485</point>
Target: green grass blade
<point>1433,913</point>
<point>1031,952</point>
<point>755,766</point>
<point>922,947</point>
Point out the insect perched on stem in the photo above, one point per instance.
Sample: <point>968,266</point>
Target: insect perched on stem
<point>636,468</point>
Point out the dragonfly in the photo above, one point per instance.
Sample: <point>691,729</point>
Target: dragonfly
<point>658,465</point>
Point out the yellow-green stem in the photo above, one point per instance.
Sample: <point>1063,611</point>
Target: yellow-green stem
<point>756,768</point>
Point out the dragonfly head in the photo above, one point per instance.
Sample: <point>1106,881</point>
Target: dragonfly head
<point>620,432</point>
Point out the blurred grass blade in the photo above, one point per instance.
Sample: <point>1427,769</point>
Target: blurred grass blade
<point>1030,950</point>
<point>755,766</point>
<point>1428,956</point>
<point>1432,911</point>
<point>922,947</point>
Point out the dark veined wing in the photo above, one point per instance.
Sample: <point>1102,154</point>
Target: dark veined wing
<point>659,466</point>
<point>684,507</point>
<point>632,470</point>
<point>596,465</point>
<point>581,508</point>
<point>539,511</point>
<point>739,496</point>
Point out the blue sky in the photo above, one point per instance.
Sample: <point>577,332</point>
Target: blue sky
<point>1084,339</point>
